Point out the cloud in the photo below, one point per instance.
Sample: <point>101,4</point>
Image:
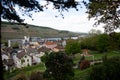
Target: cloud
<point>73,21</point>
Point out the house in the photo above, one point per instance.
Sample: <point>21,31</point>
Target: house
<point>34,44</point>
<point>50,44</point>
<point>22,59</point>
<point>35,54</point>
<point>8,64</point>
<point>4,56</point>
<point>7,51</point>
<point>7,60</point>
<point>31,51</point>
<point>36,57</point>
<point>58,48</point>
<point>42,51</point>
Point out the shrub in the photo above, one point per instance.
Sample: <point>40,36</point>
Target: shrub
<point>108,70</point>
<point>84,64</point>
<point>36,76</point>
<point>21,76</point>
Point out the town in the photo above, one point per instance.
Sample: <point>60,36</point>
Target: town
<point>29,51</point>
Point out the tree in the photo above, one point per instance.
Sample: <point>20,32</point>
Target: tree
<point>105,11</point>
<point>59,66</point>
<point>114,41</point>
<point>9,12</point>
<point>72,47</point>
<point>108,10</point>
<point>108,70</point>
<point>103,43</point>
<point>94,32</point>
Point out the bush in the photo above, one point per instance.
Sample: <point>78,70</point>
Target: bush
<point>21,76</point>
<point>59,66</point>
<point>36,76</point>
<point>108,70</point>
<point>84,64</point>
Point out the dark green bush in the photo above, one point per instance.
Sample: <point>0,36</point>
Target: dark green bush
<point>59,66</point>
<point>36,76</point>
<point>108,70</point>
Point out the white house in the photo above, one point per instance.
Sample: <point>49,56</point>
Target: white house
<point>22,59</point>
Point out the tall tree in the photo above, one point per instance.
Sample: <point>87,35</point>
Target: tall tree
<point>105,11</point>
<point>72,47</point>
<point>59,66</point>
<point>8,10</point>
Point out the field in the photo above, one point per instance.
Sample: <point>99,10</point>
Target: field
<point>79,74</point>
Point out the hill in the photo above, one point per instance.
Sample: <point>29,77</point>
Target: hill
<point>15,30</point>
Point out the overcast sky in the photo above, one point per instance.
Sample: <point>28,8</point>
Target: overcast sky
<point>75,21</point>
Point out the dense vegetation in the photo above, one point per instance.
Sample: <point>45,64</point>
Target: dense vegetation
<point>78,74</point>
<point>58,66</point>
<point>72,47</point>
<point>108,70</point>
<point>102,42</point>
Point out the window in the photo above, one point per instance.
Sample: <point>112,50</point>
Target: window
<point>25,56</point>
<point>27,60</point>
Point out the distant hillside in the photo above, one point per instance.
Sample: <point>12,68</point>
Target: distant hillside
<point>14,31</point>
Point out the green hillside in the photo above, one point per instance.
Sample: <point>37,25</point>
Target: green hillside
<point>14,31</point>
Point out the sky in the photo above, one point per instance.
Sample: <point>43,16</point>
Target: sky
<point>75,21</point>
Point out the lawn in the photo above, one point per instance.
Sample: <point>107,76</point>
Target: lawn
<point>27,70</point>
<point>79,74</point>
<point>82,74</point>
<point>97,55</point>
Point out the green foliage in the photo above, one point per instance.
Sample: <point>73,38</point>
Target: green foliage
<point>102,42</point>
<point>115,40</point>
<point>105,10</point>
<point>58,67</point>
<point>89,43</point>
<point>72,47</point>
<point>109,70</point>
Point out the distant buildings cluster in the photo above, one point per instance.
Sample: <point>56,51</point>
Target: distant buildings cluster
<point>30,51</point>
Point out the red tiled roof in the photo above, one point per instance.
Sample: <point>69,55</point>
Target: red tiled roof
<point>50,43</point>
<point>59,47</point>
<point>43,49</point>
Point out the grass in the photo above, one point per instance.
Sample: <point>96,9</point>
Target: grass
<point>97,55</point>
<point>27,70</point>
<point>79,74</point>
<point>82,74</point>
